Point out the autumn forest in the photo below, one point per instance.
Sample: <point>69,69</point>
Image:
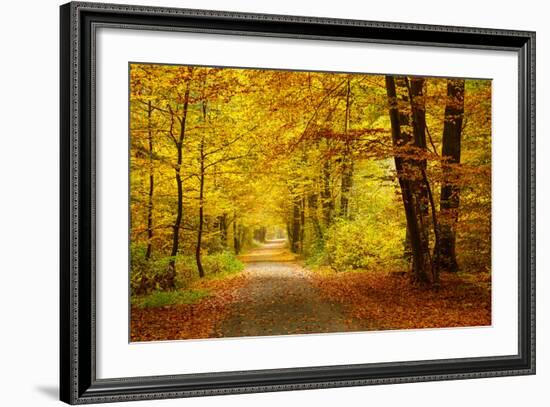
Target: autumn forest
<point>272,202</point>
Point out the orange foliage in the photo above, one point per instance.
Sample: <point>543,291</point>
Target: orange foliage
<point>390,301</point>
<point>186,321</point>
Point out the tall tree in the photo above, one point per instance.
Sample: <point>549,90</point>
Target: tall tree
<point>312,205</point>
<point>149,250</point>
<point>223,229</point>
<point>326,192</point>
<point>201,209</point>
<point>408,173</point>
<point>283,147</point>
<point>236,234</point>
<point>426,202</point>
<point>202,169</point>
<point>347,159</point>
<point>178,143</point>
<point>296,223</point>
<point>450,189</point>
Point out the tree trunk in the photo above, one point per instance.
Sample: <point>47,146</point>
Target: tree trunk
<point>149,250</point>
<point>407,252</point>
<point>418,114</point>
<point>450,190</point>
<point>260,234</point>
<point>295,225</point>
<point>242,235</point>
<point>408,172</point>
<point>171,277</point>
<point>201,212</point>
<point>223,229</point>
<point>347,162</point>
<point>236,242</point>
<point>345,188</point>
<point>326,194</point>
<point>312,204</point>
<point>302,223</point>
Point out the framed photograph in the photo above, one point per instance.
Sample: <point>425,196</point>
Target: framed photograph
<point>254,203</point>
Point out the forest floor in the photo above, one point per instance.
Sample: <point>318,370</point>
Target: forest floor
<point>281,298</point>
<point>275,295</point>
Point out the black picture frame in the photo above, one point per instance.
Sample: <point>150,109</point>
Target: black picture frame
<point>78,382</point>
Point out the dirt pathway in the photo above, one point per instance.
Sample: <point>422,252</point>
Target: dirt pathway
<point>280,299</point>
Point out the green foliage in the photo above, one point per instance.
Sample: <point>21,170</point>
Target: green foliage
<point>362,244</point>
<point>214,265</point>
<point>316,255</point>
<point>214,245</point>
<point>146,275</point>
<point>164,298</point>
<point>224,262</point>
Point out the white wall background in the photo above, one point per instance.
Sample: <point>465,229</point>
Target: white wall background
<point>29,163</point>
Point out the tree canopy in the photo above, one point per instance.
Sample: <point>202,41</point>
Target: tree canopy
<point>357,171</point>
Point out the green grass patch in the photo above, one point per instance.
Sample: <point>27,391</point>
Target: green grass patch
<point>215,265</point>
<point>221,275</point>
<point>164,298</point>
<point>223,263</point>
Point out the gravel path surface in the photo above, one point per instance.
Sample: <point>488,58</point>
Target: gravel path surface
<point>279,299</point>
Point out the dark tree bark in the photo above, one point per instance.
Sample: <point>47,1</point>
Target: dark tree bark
<point>202,175</point>
<point>223,229</point>
<point>201,211</point>
<point>426,202</point>
<point>347,161</point>
<point>260,234</point>
<point>242,233</point>
<point>450,190</point>
<point>326,194</point>
<point>408,172</point>
<point>236,241</point>
<point>302,223</point>
<point>312,204</point>
<point>149,250</point>
<point>171,276</point>
<point>407,252</point>
<point>296,224</point>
